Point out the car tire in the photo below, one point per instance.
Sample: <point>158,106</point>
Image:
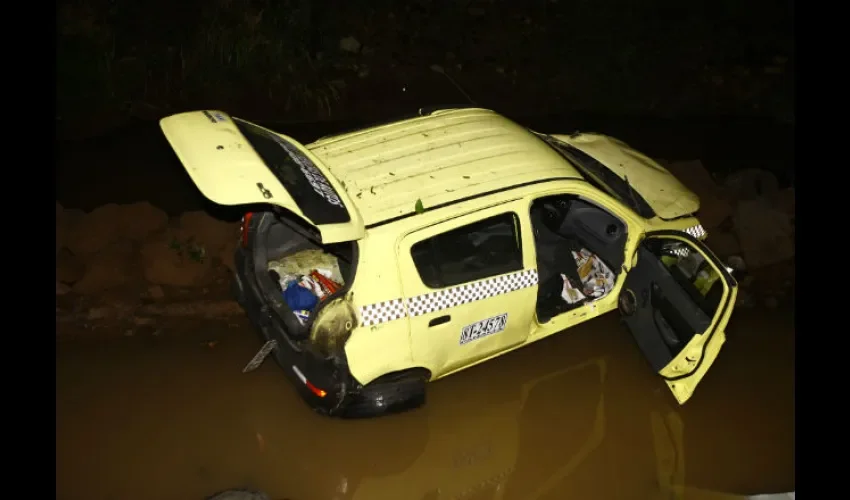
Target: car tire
<point>392,393</point>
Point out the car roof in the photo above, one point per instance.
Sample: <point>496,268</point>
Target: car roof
<point>444,157</point>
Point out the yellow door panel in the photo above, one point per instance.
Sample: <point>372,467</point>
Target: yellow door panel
<point>677,301</point>
<point>469,289</point>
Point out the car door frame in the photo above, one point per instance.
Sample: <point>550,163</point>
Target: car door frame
<point>442,357</point>
<point>584,190</point>
<point>681,375</point>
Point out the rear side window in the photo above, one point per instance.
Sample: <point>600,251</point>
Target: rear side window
<point>476,251</point>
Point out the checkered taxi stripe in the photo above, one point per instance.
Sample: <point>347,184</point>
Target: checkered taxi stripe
<point>697,231</point>
<point>382,312</point>
<point>390,310</point>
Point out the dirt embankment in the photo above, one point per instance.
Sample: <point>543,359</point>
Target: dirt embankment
<point>130,263</point>
<point>127,265</point>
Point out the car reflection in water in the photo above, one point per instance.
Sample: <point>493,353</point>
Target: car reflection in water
<point>537,434</point>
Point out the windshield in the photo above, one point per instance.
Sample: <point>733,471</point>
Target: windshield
<point>602,177</point>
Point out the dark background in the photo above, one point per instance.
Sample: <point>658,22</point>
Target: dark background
<point>678,80</point>
<point>282,60</point>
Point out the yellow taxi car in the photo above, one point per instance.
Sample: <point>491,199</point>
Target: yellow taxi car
<point>375,261</point>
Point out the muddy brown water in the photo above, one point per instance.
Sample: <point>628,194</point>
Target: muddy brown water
<point>578,415</point>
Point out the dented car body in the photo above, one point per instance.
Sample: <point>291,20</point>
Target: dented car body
<point>396,255</point>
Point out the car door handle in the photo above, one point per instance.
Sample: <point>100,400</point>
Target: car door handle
<point>439,321</point>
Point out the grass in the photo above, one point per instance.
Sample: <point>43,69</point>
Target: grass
<point>233,47</point>
<point>125,57</point>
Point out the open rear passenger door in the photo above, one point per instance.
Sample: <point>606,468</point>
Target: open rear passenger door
<point>677,300</point>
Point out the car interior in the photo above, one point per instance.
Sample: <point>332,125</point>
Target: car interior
<point>579,246</point>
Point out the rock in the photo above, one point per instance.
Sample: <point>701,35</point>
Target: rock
<point>109,268</point>
<point>165,262</point>
<point>140,220</point>
<point>69,269</point>
<point>66,222</point>
<point>227,255</point>
<point>60,236</point>
<point>714,207</point>
<point>98,313</point>
<point>736,262</point>
<point>204,231</point>
<point>107,224</point>
<point>713,211</point>
<point>744,300</point>
<point>752,183</point>
<point>155,292</point>
<point>785,201</point>
<point>723,244</point>
<point>95,230</point>
<point>349,44</point>
<point>766,234</point>
<point>62,288</point>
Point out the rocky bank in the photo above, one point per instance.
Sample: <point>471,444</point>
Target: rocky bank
<point>132,263</point>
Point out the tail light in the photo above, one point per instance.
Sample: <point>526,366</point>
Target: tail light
<point>246,223</point>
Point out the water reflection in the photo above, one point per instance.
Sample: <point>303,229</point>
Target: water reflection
<point>576,416</point>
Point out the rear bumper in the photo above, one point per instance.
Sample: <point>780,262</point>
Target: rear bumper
<point>344,396</point>
<point>303,368</point>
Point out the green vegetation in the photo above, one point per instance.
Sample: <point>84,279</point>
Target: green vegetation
<point>118,56</point>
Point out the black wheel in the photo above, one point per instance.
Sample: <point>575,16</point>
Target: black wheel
<point>391,393</point>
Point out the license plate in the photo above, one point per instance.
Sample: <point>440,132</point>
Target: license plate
<point>261,356</point>
<point>483,328</point>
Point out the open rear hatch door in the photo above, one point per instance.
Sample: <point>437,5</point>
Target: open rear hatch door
<point>677,301</point>
<point>234,162</point>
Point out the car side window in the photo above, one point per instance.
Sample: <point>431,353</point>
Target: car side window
<point>472,252</point>
<point>691,271</point>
